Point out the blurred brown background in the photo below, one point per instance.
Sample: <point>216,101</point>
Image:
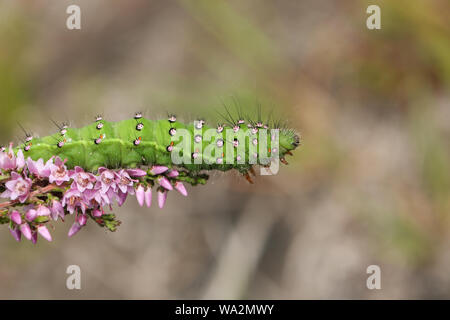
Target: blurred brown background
<point>370,185</point>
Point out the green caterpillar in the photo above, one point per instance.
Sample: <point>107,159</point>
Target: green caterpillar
<point>82,171</point>
<point>139,141</point>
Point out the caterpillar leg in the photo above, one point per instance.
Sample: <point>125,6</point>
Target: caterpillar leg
<point>268,169</point>
<point>252,171</point>
<point>248,178</point>
<point>283,160</point>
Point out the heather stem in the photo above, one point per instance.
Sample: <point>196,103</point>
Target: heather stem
<point>44,190</point>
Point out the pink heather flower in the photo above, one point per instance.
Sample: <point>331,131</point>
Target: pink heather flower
<point>17,188</point>
<point>57,210</point>
<point>2,155</point>
<point>73,199</point>
<point>31,215</point>
<point>6,162</point>
<point>43,211</point>
<point>125,186</point>
<point>124,182</point>
<point>43,231</point>
<point>97,213</point>
<point>172,174</point>
<point>162,196</point>
<point>16,233</point>
<point>136,172</point>
<point>59,173</point>
<point>34,236</point>
<point>96,194</point>
<point>26,230</point>
<point>9,161</point>
<point>163,182</point>
<point>82,180</point>
<point>140,195</point>
<point>38,168</point>
<point>121,197</point>
<point>109,196</point>
<point>106,180</point>
<point>180,188</point>
<point>82,219</point>
<point>148,197</point>
<point>155,170</point>
<point>15,217</point>
<point>20,160</point>
<point>74,229</point>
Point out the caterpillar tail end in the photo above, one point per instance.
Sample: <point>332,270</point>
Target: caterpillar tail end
<point>248,178</point>
<point>252,171</point>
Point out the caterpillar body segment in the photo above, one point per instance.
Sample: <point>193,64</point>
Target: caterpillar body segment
<point>135,142</point>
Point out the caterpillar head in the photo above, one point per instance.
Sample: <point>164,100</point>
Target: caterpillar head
<point>289,140</point>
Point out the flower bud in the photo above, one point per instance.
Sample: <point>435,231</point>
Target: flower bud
<point>155,170</point>
<point>180,188</point>
<point>43,231</point>
<point>74,229</point>
<point>31,215</point>
<point>148,197</point>
<point>140,195</point>
<point>162,196</point>
<point>26,231</point>
<point>163,182</point>
<point>15,217</point>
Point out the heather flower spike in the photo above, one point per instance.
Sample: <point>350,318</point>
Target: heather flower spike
<point>70,177</point>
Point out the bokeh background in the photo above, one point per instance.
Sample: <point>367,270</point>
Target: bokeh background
<point>369,185</point>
